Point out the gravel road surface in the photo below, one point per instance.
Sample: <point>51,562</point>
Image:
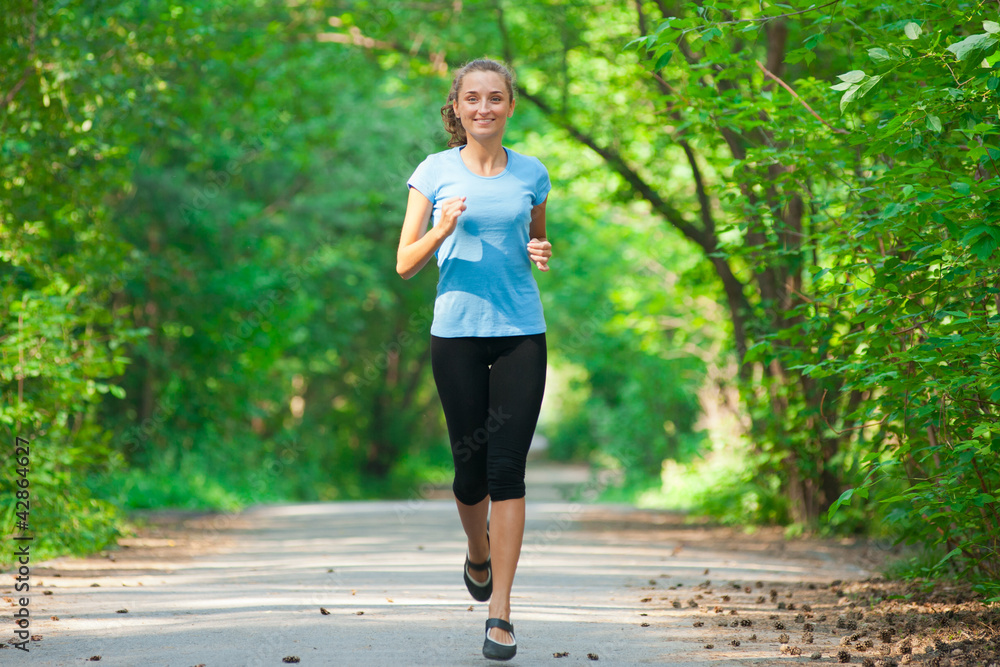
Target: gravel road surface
<point>380,583</point>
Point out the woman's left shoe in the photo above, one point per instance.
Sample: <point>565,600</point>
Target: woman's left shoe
<point>480,590</point>
<point>493,649</point>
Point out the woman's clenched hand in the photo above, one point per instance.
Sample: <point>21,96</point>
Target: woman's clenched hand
<point>450,210</point>
<point>540,250</point>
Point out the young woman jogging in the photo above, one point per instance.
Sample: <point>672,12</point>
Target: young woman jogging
<point>488,350</point>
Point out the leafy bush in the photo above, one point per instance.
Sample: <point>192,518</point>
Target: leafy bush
<point>918,272</point>
<point>861,198</point>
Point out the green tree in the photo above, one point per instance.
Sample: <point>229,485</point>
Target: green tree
<point>60,344</point>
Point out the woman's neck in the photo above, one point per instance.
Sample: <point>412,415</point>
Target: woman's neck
<point>484,159</point>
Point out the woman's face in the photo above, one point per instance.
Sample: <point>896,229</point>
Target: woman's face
<point>483,105</point>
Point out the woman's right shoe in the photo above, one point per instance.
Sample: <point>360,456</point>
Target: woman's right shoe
<point>479,590</point>
<point>493,649</point>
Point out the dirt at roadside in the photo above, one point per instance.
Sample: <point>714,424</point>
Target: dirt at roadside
<point>842,622</point>
<point>874,622</point>
<point>162,540</point>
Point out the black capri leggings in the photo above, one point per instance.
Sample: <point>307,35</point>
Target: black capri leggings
<point>491,391</point>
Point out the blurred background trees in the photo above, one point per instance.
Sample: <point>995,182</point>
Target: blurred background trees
<point>774,294</point>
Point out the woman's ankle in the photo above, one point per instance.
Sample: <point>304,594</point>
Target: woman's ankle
<point>500,611</point>
<point>478,553</point>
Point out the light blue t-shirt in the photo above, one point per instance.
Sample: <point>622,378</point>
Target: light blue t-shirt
<point>485,284</point>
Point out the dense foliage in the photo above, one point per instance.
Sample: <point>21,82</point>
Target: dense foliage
<point>864,211</point>
<point>201,207</point>
<point>200,307</point>
<point>60,341</point>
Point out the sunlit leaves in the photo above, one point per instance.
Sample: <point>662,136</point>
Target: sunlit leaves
<point>879,55</point>
<point>855,85</point>
<point>854,76</point>
<point>934,236</point>
<point>972,47</point>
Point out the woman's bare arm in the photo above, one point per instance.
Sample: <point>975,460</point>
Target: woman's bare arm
<point>416,246</point>
<point>539,248</point>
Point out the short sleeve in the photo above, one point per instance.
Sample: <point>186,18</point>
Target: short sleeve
<point>423,179</point>
<point>542,185</point>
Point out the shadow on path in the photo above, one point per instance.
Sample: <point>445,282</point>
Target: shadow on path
<point>389,574</point>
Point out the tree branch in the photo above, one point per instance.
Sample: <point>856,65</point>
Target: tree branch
<point>642,17</point>
<point>802,101</point>
<point>772,18</point>
<point>732,286</point>
<point>699,186</point>
<point>32,34</point>
<point>616,162</point>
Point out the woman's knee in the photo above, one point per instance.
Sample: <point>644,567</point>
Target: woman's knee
<point>506,477</point>
<point>507,491</point>
<point>470,491</point>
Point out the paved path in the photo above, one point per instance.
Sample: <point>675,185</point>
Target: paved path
<point>389,574</point>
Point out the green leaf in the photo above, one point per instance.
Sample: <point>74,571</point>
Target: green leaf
<point>961,188</point>
<point>995,396</point>
<point>634,43</point>
<point>868,85</point>
<point>983,429</point>
<point>971,44</point>
<point>854,76</point>
<point>813,40</point>
<point>983,498</point>
<point>984,247</point>
<point>846,99</point>
<point>933,123</point>
<point>879,55</point>
<point>843,85</point>
<point>951,554</point>
<point>991,26</point>
<point>757,351</point>
<point>662,61</point>
<point>976,232</point>
<point>913,30</point>
<point>844,497</point>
